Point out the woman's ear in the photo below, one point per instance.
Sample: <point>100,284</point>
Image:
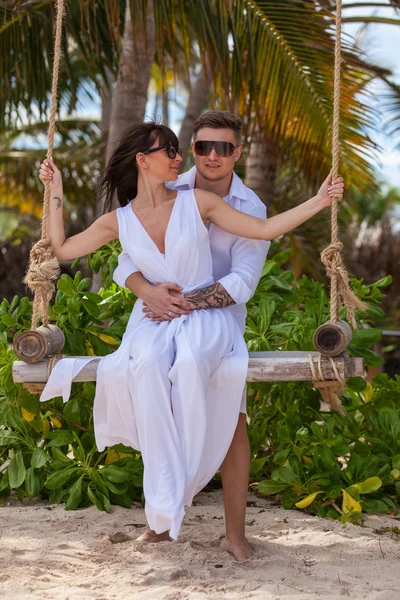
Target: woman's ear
<point>141,160</point>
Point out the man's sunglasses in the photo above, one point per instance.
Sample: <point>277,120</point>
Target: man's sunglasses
<point>171,150</point>
<point>223,149</point>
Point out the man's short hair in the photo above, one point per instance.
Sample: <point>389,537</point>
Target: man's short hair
<point>219,119</point>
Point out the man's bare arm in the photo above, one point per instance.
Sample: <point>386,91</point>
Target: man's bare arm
<point>212,296</point>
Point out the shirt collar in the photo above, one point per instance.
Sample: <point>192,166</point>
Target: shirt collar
<point>187,181</point>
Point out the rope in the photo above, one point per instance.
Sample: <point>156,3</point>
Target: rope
<point>43,269</point>
<point>341,293</point>
<point>330,390</point>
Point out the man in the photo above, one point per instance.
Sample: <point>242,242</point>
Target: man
<point>237,266</point>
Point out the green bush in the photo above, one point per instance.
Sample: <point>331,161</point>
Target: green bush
<point>48,449</point>
<point>304,455</point>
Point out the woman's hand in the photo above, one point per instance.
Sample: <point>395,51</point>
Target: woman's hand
<point>49,172</point>
<point>330,190</point>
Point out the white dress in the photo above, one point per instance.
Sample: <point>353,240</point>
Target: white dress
<point>173,389</point>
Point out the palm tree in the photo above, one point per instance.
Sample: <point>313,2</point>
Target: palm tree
<point>269,61</point>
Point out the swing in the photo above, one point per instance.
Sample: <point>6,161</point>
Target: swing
<point>328,368</point>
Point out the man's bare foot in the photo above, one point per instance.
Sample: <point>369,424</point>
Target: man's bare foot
<point>152,537</point>
<point>240,550</point>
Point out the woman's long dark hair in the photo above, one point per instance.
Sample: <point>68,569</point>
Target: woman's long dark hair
<point>121,173</point>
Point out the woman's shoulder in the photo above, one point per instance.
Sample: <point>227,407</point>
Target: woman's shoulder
<point>204,197</point>
<point>109,220</point>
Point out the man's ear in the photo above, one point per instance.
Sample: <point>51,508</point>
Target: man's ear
<point>238,152</point>
<point>193,147</point>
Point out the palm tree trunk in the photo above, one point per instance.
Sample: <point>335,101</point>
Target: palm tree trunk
<point>197,102</point>
<point>165,107</point>
<point>261,169</point>
<point>130,95</point>
<point>106,102</point>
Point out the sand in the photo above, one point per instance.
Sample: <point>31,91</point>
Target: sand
<point>49,553</point>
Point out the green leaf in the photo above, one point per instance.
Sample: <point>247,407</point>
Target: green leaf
<point>366,337</point>
<point>72,410</point>
<point>76,263</point>
<point>97,480</point>
<point>369,485</point>
<point>85,283</point>
<point>287,475</point>
<point>59,438</point>
<point>75,495</point>
<point>28,401</point>
<point>374,506</point>
<point>267,309</point>
<point>371,358</point>
<point>328,458</point>
<point>106,502</point>
<point>115,474</point>
<point>33,484</point>
<point>387,418</point>
<point>257,465</point>
<point>66,285</point>
<point>268,266</point>
<point>358,384</point>
<point>39,458</point>
<point>91,308</point>
<point>94,498</point>
<point>8,321</point>
<point>59,478</point>
<point>116,488</point>
<point>122,500</point>
<point>269,487</point>
<point>8,437</point>
<point>56,496</point>
<point>280,283</point>
<point>16,470</point>
<point>385,281</point>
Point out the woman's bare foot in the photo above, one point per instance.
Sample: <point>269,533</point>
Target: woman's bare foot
<point>152,537</point>
<point>241,550</point>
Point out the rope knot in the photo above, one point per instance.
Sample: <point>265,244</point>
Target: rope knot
<point>41,276</point>
<point>330,390</point>
<point>331,257</point>
<point>340,288</point>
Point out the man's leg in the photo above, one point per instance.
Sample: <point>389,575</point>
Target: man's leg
<point>235,481</point>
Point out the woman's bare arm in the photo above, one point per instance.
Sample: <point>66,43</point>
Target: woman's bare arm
<point>103,230</point>
<point>214,209</point>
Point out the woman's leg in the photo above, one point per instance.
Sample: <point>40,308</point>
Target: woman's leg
<point>164,475</point>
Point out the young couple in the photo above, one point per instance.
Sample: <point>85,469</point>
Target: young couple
<point>193,252</point>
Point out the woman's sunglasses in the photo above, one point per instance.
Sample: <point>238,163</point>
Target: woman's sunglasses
<point>223,149</point>
<point>171,150</point>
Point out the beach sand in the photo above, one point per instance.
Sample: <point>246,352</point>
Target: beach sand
<point>49,553</point>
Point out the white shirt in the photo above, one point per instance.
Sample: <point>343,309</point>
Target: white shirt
<point>237,261</point>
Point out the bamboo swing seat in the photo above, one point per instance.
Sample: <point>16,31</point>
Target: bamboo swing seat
<point>263,367</point>
<point>328,368</point>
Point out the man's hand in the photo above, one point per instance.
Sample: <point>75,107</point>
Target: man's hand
<point>165,302</point>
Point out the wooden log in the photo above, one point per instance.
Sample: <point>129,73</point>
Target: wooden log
<point>332,338</point>
<point>263,366</point>
<point>33,345</point>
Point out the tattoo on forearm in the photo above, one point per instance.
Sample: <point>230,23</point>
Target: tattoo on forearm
<point>213,296</point>
<point>58,201</point>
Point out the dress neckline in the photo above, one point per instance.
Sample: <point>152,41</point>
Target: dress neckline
<point>163,254</point>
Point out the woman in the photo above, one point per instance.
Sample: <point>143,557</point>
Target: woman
<point>173,389</point>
